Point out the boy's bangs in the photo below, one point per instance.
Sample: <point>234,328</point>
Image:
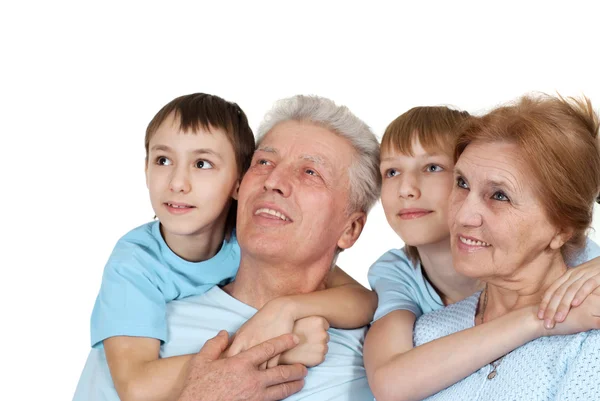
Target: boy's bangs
<point>432,142</point>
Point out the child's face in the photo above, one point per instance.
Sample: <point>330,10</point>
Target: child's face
<point>191,178</point>
<point>415,194</point>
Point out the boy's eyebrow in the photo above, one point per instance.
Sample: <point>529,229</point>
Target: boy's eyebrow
<point>201,151</point>
<point>425,156</point>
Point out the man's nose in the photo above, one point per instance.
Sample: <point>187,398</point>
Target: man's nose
<point>279,180</point>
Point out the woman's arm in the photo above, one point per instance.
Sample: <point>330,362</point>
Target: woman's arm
<point>400,372</point>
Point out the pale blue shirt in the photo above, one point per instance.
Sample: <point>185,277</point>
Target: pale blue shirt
<point>194,320</point>
<point>143,274</point>
<point>402,285</point>
<point>560,368</point>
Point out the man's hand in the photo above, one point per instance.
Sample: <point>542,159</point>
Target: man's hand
<point>210,378</point>
<point>312,348</point>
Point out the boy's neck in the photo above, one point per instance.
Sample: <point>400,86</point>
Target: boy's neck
<point>436,261</point>
<point>194,248</point>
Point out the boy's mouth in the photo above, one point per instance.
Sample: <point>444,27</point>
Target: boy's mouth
<point>409,214</point>
<point>176,207</point>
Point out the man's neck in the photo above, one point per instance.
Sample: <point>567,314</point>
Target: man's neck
<point>259,281</point>
<point>525,288</point>
<point>436,260</point>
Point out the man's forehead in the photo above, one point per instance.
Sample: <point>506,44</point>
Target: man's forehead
<point>313,157</point>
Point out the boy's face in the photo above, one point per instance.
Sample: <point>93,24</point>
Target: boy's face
<point>191,178</point>
<point>415,194</point>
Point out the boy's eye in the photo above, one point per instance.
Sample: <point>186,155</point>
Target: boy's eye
<point>163,161</point>
<point>434,168</point>
<point>500,196</point>
<point>391,173</point>
<point>461,183</point>
<point>203,164</point>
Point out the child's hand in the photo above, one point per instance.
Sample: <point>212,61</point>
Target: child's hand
<point>272,320</point>
<point>312,348</point>
<point>571,289</point>
<point>581,318</point>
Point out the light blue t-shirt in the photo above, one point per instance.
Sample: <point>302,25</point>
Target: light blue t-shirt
<point>142,275</point>
<point>560,368</point>
<point>194,320</point>
<point>401,285</point>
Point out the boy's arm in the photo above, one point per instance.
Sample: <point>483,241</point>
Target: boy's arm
<point>344,303</point>
<point>139,374</point>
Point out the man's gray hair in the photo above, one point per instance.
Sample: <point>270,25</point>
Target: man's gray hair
<point>365,180</point>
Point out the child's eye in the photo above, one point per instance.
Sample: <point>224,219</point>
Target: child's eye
<point>500,196</point>
<point>163,161</point>
<point>461,183</point>
<point>203,164</point>
<point>392,172</point>
<point>434,168</point>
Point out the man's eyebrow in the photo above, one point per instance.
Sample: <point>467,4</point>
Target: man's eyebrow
<point>267,149</point>
<point>315,159</point>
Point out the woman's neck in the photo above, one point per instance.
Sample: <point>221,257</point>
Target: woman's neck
<point>436,260</point>
<point>525,287</point>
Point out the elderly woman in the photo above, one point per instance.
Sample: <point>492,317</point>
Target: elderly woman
<point>527,176</point>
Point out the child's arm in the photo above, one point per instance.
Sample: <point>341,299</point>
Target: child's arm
<point>344,304</point>
<point>139,374</point>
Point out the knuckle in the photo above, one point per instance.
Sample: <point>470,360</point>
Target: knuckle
<point>283,373</point>
<point>268,349</point>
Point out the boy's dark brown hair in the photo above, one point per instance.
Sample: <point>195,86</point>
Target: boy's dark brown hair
<point>436,128</point>
<point>202,111</point>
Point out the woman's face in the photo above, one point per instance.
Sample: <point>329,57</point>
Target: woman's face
<point>498,225</point>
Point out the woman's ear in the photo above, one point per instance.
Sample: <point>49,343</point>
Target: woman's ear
<point>561,238</point>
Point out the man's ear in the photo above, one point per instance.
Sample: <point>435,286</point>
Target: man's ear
<point>561,237</point>
<point>356,223</point>
<point>236,190</point>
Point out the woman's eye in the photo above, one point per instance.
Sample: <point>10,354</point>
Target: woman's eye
<point>203,164</point>
<point>500,196</point>
<point>434,168</point>
<point>391,173</point>
<point>163,161</point>
<point>460,182</point>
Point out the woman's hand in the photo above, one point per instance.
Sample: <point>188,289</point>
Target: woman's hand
<point>272,320</point>
<point>312,348</point>
<point>570,290</point>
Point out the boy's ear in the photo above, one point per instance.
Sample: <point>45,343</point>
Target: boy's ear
<point>236,190</point>
<point>356,223</point>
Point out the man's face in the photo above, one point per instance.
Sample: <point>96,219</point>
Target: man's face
<point>293,201</point>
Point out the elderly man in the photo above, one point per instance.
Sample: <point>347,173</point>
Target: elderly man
<point>305,197</point>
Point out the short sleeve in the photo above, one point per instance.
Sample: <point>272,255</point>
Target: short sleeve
<point>591,251</point>
<point>394,279</point>
<point>130,302</point>
<point>581,381</point>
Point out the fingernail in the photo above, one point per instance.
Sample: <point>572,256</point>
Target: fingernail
<point>541,314</point>
<point>558,316</point>
<point>548,324</point>
<point>575,302</point>
<point>296,339</point>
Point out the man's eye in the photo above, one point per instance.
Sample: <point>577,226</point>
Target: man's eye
<point>203,164</point>
<point>461,183</point>
<point>391,173</point>
<point>163,161</point>
<point>310,172</point>
<point>434,168</point>
<point>262,162</point>
<point>500,196</point>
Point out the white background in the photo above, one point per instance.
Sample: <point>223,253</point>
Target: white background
<point>80,82</point>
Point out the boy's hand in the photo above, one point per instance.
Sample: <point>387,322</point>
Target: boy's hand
<point>211,377</point>
<point>581,318</point>
<point>570,290</point>
<point>272,320</point>
<point>313,335</point>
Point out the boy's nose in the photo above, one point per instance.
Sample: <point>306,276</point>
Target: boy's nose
<point>409,188</point>
<point>180,181</point>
